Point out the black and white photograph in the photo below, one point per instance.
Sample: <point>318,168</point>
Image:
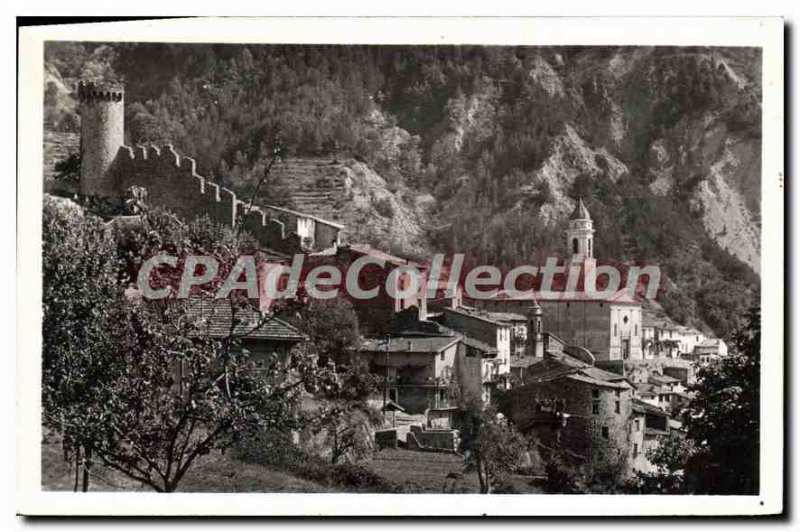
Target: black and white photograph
<point>523,263</point>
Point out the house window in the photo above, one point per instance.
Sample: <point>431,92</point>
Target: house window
<point>604,431</point>
<point>441,356</point>
<point>635,450</point>
<point>636,330</point>
<point>615,329</point>
<point>638,425</point>
<point>616,393</point>
<point>393,394</point>
<point>575,246</point>
<point>595,408</point>
<point>595,394</point>
<point>616,407</point>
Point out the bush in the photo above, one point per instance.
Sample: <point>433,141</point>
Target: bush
<point>278,451</point>
<point>562,478</point>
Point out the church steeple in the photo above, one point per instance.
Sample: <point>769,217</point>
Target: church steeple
<point>580,234</point>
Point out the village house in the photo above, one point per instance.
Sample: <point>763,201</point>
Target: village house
<point>650,423</point>
<point>664,392</point>
<point>425,369</point>
<point>262,336</point>
<point>487,328</point>
<point>664,338</point>
<point>707,351</point>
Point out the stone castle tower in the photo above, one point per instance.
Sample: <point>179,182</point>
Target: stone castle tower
<point>580,234</point>
<point>102,111</point>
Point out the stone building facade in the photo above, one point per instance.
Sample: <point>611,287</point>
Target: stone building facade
<point>569,405</point>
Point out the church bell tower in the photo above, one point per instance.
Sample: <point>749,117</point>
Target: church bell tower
<point>580,234</point>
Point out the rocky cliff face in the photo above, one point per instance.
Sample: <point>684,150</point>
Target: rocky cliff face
<point>686,123</point>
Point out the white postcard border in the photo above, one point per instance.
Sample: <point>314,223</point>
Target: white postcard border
<point>763,32</point>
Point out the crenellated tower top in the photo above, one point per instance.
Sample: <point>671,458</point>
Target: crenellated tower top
<point>89,91</point>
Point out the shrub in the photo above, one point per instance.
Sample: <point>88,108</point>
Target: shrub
<point>562,478</point>
<point>278,451</point>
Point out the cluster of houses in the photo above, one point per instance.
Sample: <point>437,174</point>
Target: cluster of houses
<point>601,378</point>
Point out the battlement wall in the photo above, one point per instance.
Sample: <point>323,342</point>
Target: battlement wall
<point>90,92</point>
<point>172,182</point>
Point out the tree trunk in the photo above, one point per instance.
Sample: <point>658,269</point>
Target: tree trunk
<point>77,468</point>
<point>482,477</point>
<point>87,457</point>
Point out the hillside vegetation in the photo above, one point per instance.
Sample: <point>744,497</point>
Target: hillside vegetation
<point>474,149</point>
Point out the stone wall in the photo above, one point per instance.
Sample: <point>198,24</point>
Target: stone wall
<point>173,184</point>
<point>538,409</point>
<point>420,438</point>
<point>386,439</point>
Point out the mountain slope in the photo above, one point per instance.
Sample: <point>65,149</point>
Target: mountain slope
<point>481,150</point>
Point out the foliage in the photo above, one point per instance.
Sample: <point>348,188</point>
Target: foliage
<point>563,476</point>
<point>723,418</point>
<point>331,327</point>
<point>490,444</point>
<point>81,296</point>
<point>672,453</point>
<point>276,449</point>
<point>69,169</point>
<point>342,416</point>
<point>136,384</point>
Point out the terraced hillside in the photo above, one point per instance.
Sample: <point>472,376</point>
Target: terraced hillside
<point>319,186</point>
<point>349,192</point>
<point>57,147</point>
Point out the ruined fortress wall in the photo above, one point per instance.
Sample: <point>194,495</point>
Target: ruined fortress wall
<point>110,169</point>
<point>173,183</point>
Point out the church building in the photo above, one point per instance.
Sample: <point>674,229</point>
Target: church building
<point>611,327</point>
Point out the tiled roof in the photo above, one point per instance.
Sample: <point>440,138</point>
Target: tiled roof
<point>709,342</point>
<point>508,316</point>
<point>663,379</point>
<point>480,346</point>
<point>661,322</point>
<point>620,297</point>
<point>215,318</point>
<point>567,367</point>
<point>646,408</point>
<point>410,343</point>
<point>483,315</point>
<point>524,361</point>
<point>365,249</point>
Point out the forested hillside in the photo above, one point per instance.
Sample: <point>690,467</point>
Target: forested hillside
<point>476,149</point>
